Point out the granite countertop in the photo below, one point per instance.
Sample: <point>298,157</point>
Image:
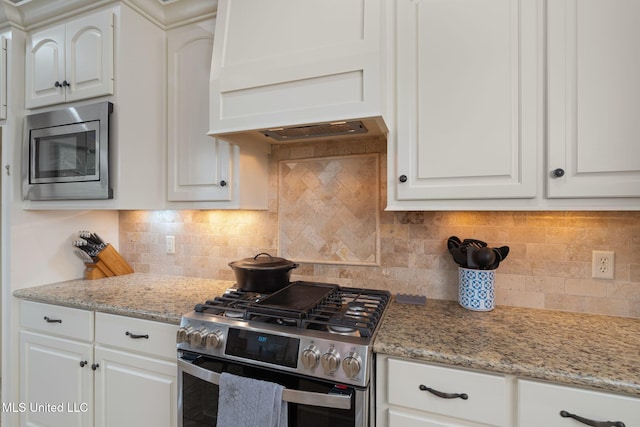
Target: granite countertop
<point>146,296</point>
<point>569,348</point>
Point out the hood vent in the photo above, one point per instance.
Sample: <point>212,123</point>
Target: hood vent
<point>321,130</point>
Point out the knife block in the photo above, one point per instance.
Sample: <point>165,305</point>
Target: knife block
<point>92,272</point>
<point>109,263</point>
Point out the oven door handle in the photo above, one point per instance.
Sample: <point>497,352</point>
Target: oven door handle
<point>293,396</point>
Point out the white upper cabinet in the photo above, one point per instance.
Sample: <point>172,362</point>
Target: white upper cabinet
<point>467,80</point>
<point>594,98</point>
<point>488,117</point>
<point>198,164</point>
<point>71,61</point>
<point>138,134</point>
<point>202,168</point>
<point>287,62</point>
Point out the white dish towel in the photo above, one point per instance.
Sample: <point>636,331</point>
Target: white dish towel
<point>248,402</point>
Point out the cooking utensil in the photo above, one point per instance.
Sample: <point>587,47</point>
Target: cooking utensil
<point>453,243</point>
<point>502,252</point>
<point>263,273</point>
<point>474,242</point>
<point>484,257</point>
<point>471,253</point>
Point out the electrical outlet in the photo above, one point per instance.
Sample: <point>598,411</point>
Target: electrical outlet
<point>170,245</point>
<point>602,264</point>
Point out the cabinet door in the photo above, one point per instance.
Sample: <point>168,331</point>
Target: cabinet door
<point>45,64</point>
<point>89,56</point>
<point>467,81</point>
<point>540,404</point>
<point>134,390</point>
<point>56,381</point>
<point>199,165</point>
<point>398,418</point>
<point>594,98</point>
<point>486,394</point>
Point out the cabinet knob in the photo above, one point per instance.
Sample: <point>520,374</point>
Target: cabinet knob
<point>403,178</point>
<point>57,84</point>
<point>65,83</point>
<point>558,173</point>
<point>83,363</point>
<point>94,366</point>
<point>223,183</point>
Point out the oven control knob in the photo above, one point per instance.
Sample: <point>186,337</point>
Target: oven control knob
<point>214,339</point>
<point>351,365</point>
<point>183,334</point>
<point>330,361</point>
<point>197,338</point>
<point>310,357</point>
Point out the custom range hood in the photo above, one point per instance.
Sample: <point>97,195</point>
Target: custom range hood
<point>288,71</point>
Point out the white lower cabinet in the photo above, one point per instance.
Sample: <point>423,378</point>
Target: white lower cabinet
<point>134,390</point>
<point>416,394</point>
<point>56,381</point>
<point>550,405</point>
<point>402,399</point>
<point>122,372</point>
<point>136,381</point>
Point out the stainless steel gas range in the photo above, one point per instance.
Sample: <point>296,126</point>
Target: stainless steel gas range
<point>315,339</point>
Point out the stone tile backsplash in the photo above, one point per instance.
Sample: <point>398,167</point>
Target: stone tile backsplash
<point>549,265</point>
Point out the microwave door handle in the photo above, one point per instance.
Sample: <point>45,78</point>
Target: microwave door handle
<point>334,401</point>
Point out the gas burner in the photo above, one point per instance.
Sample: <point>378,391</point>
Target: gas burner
<point>233,314</point>
<point>343,330</point>
<point>286,322</point>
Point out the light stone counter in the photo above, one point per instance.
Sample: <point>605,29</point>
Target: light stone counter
<point>569,348</point>
<point>146,296</point>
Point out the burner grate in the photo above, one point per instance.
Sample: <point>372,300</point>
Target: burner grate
<point>233,303</point>
<point>350,309</point>
<point>306,305</point>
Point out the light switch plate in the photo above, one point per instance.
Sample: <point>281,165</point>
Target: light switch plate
<point>170,245</point>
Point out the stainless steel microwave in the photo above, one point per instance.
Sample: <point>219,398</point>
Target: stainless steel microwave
<point>65,154</point>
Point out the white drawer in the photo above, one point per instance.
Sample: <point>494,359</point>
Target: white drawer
<point>57,320</point>
<point>144,336</point>
<point>539,404</point>
<point>487,399</point>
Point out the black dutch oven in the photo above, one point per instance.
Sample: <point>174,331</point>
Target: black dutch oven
<point>263,273</point>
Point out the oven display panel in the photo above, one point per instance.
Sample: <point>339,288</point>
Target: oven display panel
<point>263,347</point>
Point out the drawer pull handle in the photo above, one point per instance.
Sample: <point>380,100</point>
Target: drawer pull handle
<point>135,337</point>
<point>50,320</point>
<point>565,414</point>
<point>463,396</point>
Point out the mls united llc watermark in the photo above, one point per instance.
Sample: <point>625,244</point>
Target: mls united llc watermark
<point>35,407</point>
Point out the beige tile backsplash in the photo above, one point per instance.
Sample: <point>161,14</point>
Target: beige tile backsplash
<point>549,265</point>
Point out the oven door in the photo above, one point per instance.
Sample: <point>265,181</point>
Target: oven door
<point>310,403</point>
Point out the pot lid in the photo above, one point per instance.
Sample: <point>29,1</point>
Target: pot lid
<point>263,261</point>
